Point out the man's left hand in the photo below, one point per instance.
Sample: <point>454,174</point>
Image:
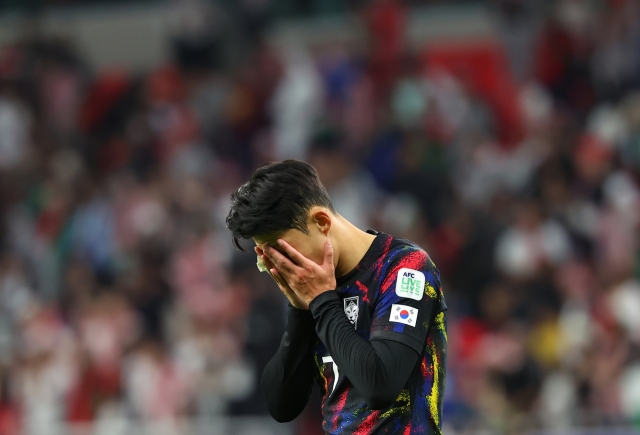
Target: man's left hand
<point>307,278</point>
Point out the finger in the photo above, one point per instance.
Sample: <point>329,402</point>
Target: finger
<point>267,262</point>
<point>328,254</point>
<point>293,253</point>
<point>281,286</point>
<point>277,276</point>
<point>282,283</point>
<point>281,262</point>
<point>287,290</point>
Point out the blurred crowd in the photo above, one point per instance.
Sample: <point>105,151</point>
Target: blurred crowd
<point>121,293</point>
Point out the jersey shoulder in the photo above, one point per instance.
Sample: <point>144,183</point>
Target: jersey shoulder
<point>399,254</point>
<point>409,254</point>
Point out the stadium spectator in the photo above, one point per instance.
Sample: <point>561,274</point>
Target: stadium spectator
<point>119,288</point>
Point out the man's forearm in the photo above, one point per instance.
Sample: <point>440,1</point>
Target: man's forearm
<point>378,370</point>
<point>288,377</point>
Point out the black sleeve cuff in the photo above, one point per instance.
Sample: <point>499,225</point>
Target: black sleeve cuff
<point>298,314</point>
<point>320,301</point>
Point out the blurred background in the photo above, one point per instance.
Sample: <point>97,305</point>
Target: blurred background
<point>503,136</point>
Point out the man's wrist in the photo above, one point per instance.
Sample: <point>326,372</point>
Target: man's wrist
<point>297,312</point>
<point>299,319</point>
<point>321,300</point>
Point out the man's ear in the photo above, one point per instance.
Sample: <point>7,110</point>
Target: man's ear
<point>321,219</point>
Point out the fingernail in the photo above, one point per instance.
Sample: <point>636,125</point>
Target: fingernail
<point>279,241</point>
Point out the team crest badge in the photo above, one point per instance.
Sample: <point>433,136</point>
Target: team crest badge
<point>351,309</point>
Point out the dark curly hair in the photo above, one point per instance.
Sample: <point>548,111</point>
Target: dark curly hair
<point>276,198</point>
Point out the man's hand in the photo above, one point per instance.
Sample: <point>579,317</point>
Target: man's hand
<point>282,284</point>
<point>306,278</point>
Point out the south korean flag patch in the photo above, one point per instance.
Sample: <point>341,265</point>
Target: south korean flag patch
<point>351,310</point>
<point>404,314</point>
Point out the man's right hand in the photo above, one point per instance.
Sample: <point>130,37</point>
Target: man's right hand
<point>282,284</point>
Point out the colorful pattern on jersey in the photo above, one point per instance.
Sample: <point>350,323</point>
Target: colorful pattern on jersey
<point>418,408</point>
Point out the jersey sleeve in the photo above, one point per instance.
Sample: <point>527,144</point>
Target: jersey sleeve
<point>407,300</point>
<point>288,377</point>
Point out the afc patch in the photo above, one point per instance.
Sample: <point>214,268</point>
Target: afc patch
<point>404,314</point>
<point>410,284</point>
<point>351,309</point>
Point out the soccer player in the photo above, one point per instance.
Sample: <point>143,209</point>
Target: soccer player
<point>366,315</point>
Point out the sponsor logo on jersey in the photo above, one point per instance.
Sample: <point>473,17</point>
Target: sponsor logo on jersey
<point>410,284</point>
<point>351,309</point>
<point>403,314</point>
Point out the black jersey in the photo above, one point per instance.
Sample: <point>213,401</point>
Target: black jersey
<point>393,295</point>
